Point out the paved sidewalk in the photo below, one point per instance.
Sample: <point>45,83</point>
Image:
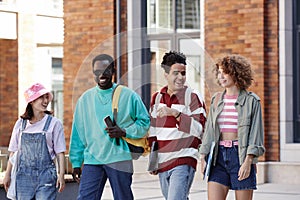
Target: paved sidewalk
<point>146,187</point>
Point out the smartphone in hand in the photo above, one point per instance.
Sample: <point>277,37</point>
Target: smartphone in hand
<point>109,123</point>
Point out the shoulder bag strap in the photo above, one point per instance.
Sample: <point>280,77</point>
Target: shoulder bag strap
<point>115,100</point>
<point>157,101</point>
<point>187,98</point>
<point>157,98</point>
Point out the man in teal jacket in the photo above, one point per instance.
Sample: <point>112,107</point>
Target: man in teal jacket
<point>101,150</point>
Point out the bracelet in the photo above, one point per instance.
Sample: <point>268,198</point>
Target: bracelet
<point>178,115</point>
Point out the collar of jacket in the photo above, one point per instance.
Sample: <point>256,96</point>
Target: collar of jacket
<point>241,97</point>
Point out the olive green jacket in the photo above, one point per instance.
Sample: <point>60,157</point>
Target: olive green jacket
<point>250,126</point>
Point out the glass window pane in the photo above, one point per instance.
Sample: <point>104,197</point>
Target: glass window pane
<point>57,87</point>
<point>297,90</point>
<point>158,49</point>
<point>159,16</point>
<point>298,13</point>
<point>192,50</point>
<point>50,7</point>
<point>188,15</point>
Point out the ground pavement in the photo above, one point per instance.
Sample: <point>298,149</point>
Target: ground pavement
<point>146,187</point>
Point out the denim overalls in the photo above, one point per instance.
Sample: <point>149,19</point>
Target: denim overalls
<point>36,176</point>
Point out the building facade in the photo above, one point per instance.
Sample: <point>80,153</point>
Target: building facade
<point>30,52</point>
<point>138,33</point>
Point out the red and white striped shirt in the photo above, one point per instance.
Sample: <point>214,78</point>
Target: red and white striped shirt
<point>228,118</point>
<point>178,141</point>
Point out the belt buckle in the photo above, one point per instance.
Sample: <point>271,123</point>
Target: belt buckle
<point>227,143</point>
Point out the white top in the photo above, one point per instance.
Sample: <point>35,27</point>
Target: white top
<point>55,135</point>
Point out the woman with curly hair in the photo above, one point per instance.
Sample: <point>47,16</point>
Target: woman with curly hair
<point>235,126</point>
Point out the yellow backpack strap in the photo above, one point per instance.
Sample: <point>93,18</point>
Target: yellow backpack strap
<point>143,142</point>
<point>115,100</point>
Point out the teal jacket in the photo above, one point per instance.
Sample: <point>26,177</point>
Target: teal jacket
<point>250,126</point>
<point>90,143</point>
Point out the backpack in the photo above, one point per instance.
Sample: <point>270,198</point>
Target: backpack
<point>139,146</point>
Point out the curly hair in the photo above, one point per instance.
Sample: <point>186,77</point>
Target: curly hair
<point>171,58</point>
<point>238,67</point>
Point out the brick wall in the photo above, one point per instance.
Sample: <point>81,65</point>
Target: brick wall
<point>89,30</point>
<point>250,29</point>
<point>8,88</point>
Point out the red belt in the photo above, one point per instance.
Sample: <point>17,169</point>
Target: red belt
<point>228,143</point>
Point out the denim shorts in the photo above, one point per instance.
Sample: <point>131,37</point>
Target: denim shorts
<point>226,170</point>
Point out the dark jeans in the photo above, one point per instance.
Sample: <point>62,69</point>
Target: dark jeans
<point>94,177</point>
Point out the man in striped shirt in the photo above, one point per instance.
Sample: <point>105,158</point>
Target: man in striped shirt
<point>178,117</point>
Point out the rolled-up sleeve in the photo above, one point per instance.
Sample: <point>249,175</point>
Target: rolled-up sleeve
<point>256,136</point>
<point>256,150</point>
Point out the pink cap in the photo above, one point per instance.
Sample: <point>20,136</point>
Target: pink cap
<point>35,91</point>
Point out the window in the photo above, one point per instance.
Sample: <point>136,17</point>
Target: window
<point>296,70</point>
<point>162,15</point>
<point>188,15</point>
<point>175,25</point>
<point>8,2</point>
<point>50,7</point>
<point>57,87</point>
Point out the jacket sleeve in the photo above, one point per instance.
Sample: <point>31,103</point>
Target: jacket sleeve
<point>76,150</point>
<point>256,135</point>
<point>209,132</point>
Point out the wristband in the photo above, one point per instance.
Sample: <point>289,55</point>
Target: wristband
<point>178,115</point>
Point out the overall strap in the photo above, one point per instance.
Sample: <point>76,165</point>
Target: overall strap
<point>47,123</point>
<point>23,126</point>
<point>24,122</point>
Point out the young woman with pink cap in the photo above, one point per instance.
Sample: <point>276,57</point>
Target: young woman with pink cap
<point>38,138</point>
